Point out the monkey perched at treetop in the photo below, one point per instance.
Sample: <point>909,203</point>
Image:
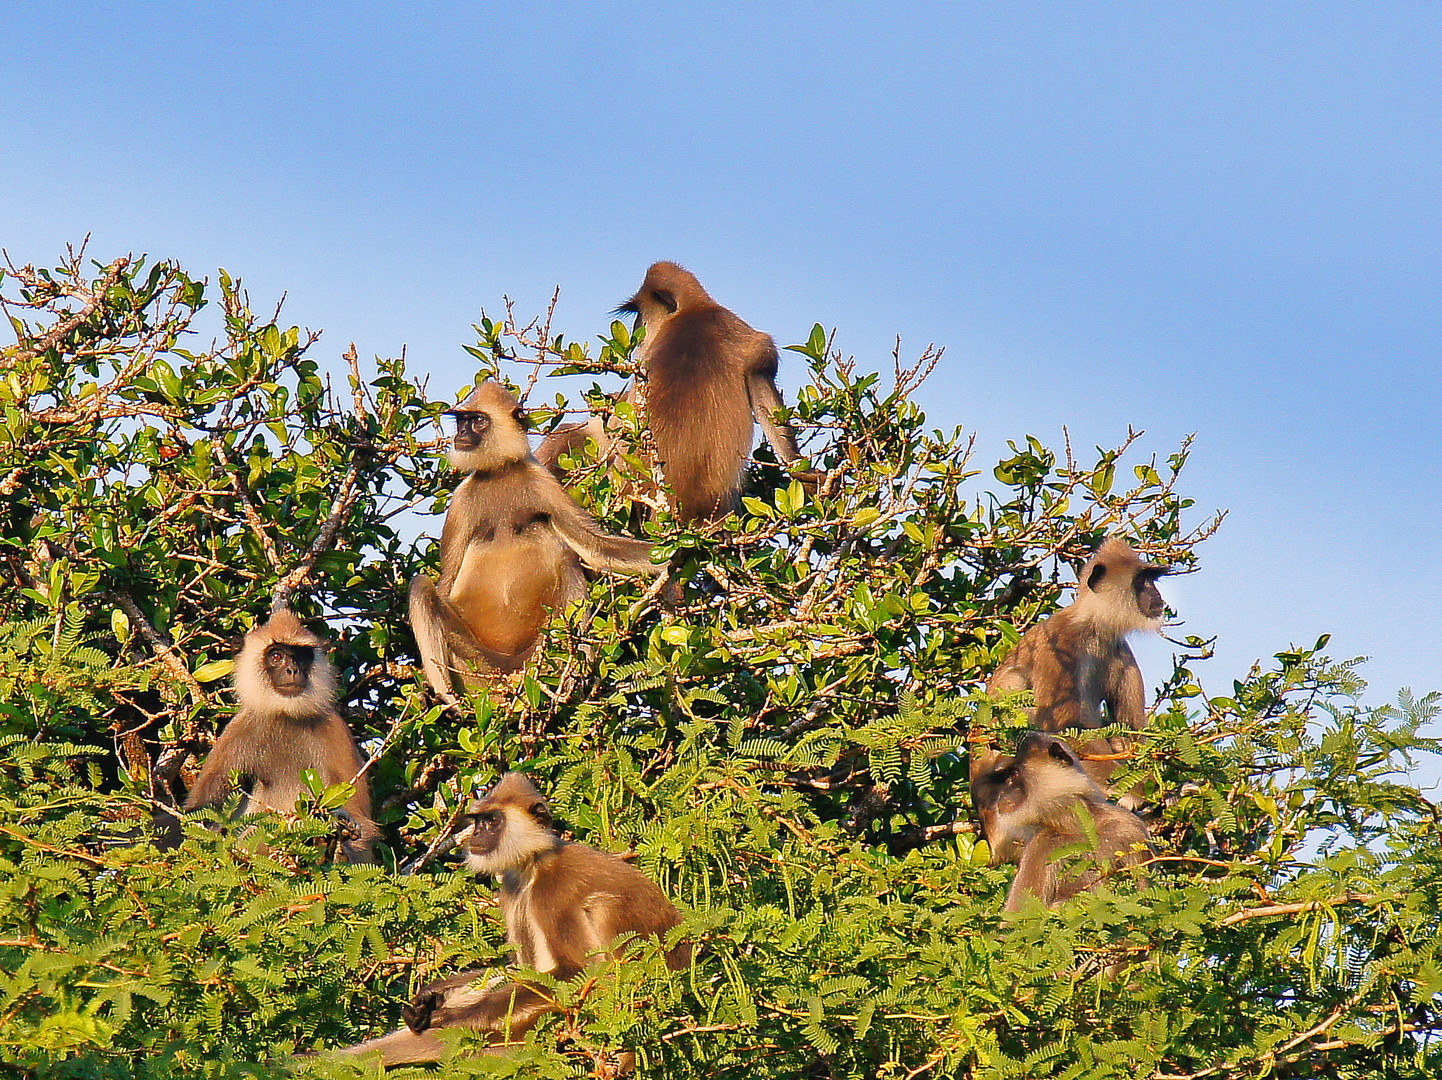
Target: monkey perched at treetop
<point>511,549</point>
<point>1077,664</point>
<point>1038,807</point>
<point>708,376</point>
<point>564,905</point>
<point>287,722</point>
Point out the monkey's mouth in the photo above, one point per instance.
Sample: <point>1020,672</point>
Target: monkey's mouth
<point>289,689</point>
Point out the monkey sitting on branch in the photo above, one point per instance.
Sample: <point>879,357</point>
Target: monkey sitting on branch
<point>287,722</point>
<point>564,905</point>
<point>709,379</point>
<point>1078,665</point>
<point>511,550</point>
<point>1040,807</point>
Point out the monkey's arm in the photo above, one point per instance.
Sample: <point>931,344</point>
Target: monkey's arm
<point>1126,693</point>
<point>228,755</point>
<point>1035,876</point>
<point>428,623</point>
<point>598,549</point>
<point>765,401</point>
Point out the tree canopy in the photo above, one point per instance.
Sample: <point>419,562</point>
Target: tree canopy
<point>782,744</point>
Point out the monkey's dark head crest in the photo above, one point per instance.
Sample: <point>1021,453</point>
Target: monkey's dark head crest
<point>1038,745</point>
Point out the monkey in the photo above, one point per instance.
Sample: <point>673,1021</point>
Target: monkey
<point>511,550</point>
<point>287,722</point>
<point>1034,805</point>
<point>564,905</point>
<point>709,376</point>
<point>1078,661</point>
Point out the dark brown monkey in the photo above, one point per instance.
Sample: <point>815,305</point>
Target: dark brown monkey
<point>709,376</point>
<point>1077,664</point>
<point>511,549</point>
<point>1040,802</point>
<point>287,721</point>
<point>564,905</point>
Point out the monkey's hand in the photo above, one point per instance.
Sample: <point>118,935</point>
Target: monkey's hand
<point>347,827</point>
<point>418,1013</point>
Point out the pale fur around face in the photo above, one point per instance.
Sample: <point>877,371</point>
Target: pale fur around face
<point>1052,790</point>
<point>252,686</point>
<point>1111,609</point>
<point>504,443</point>
<point>523,839</point>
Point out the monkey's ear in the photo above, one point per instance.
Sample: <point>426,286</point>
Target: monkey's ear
<point>1094,579</point>
<point>666,299</point>
<point>1059,751</point>
<point>522,418</point>
<point>541,812</point>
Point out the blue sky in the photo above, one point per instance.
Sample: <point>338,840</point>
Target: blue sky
<point>1213,218</point>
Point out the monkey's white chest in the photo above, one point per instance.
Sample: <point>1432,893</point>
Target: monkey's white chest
<point>528,934</point>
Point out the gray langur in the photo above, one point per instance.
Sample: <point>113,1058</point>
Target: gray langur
<point>1039,808</point>
<point>287,722</point>
<point>564,905</point>
<point>1077,663</point>
<point>710,378</point>
<point>511,550</point>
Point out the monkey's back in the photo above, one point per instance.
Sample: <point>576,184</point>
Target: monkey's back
<point>700,410</point>
<point>615,897</point>
<point>1122,841</point>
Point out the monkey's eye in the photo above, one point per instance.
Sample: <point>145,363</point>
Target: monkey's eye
<point>275,655</point>
<point>486,819</point>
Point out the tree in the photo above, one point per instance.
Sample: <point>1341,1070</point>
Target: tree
<point>784,746</point>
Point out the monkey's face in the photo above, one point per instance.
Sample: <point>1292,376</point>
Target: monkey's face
<point>1149,597</point>
<point>490,430</point>
<point>505,835</point>
<point>488,826</point>
<point>288,668</point>
<point>471,429</point>
<point>998,794</point>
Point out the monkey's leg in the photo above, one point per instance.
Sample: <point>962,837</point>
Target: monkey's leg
<point>510,1010</point>
<point>403,1047</point>
<point>428,624</point>
<point>458,989</point>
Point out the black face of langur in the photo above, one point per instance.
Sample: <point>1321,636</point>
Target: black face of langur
<point>511,825</point>
<point>283,669</point>
<point>1119,590</point>
<point>474,428</point>
<point>288,668</point>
